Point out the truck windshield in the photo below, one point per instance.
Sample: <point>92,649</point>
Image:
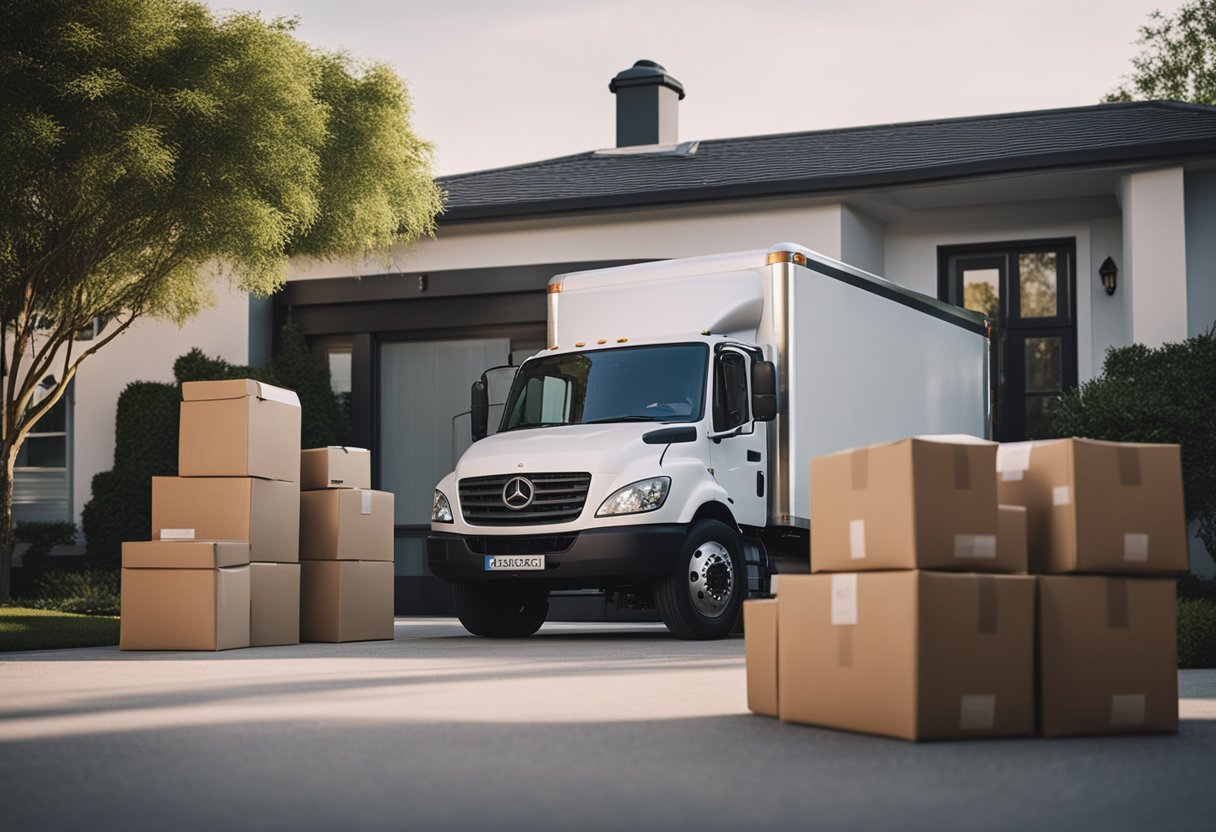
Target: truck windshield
<point>627,384</point>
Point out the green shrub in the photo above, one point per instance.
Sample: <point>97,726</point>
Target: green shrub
<point>41,538</point>
<point>1196,633</point>
<point>91,591</point>
<point>1166,394</point>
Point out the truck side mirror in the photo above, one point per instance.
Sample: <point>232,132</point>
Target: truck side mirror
<point>764,391</point>
<point>479,410</point>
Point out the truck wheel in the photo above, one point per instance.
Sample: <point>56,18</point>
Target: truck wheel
<point>498,611</point>
<point>702,599</point>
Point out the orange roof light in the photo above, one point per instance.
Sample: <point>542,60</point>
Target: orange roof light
<point>555,287</point>
<point>602,341</point>
<point>621,340</point>
<point>580,343</point>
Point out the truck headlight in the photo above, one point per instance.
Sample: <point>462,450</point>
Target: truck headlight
<point>441,509</point>
<point>637,497</point>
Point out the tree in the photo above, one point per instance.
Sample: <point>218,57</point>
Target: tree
<point>149,145</point>
<point>1177,59</point>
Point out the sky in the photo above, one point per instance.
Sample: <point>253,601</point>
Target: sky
<point>517,81</point>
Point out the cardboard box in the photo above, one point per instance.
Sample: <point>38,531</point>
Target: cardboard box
<point>346,524</point>
<point>266,513</point>
<point>239,428</point>
<point>346,600</point>
<point>274,602</point>
<point>335,467</point>
<point>1108,655</point>
<point>184,554</point>
<point>923,503</point>
<point>760,647</point>
<point>184,609</point>
<point>1011,537</point>
<point>1098,507</point>
<point>912,654</point>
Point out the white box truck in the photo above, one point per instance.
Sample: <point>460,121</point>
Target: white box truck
<point>659,449</point>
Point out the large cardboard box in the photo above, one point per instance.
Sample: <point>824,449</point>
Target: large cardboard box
<point>346,600</point>
<point>335,467</point>
<point>1108,655</point>
<point>184,609</point>
<point>266,513</point>
<point>1098,507</point>
<point>760,647</point>
<point>239,428</point>
<point>346,524</point>
<point>911,654</point>
<point>1011,537</point>
<point>927,503</point>
<point>274,601</point>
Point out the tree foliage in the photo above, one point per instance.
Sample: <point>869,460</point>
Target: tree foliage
<point>1177,59</point>
<point>149,144</point>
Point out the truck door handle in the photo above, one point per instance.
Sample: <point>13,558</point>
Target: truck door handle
<point>753,456</point>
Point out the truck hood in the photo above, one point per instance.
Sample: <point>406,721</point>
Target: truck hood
<point>596,449</point>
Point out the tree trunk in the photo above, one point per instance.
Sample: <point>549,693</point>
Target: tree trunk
<point>7,539</point>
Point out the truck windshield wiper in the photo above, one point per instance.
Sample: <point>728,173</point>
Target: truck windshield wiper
<point>534,425</point>
<point>620,419</point>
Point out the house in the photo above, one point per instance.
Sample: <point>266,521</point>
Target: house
<point>1077,229</point>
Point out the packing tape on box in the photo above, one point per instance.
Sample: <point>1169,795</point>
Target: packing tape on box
<point>176,534</point>
<point>1127,709</point>
<point>976,712</point>
<point>844,646</point>
<point>1135,547</point>
<point>366,506</point>
<point>1061,495</point>
<point>975,546</point>
<point>1116,604</point>
<point>1012,460</point>
<point>1129,465</point>
<point>857,539</point>
<point>860,461</point>
<point>962,468</point>
<point>844,616</point>
<point>277,394</point>
<point>987,612</point>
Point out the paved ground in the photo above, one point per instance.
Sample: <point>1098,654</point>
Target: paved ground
<point>583,726</point>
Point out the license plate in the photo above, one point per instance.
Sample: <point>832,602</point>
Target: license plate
<point>514,563</point>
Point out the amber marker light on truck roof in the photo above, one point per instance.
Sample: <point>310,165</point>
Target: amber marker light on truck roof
<point>554,288</point>
<point>622,340</point>
<point>580,343</point>
<point>602,341</point>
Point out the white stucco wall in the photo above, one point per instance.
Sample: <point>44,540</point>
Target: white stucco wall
<point>1154,255</point>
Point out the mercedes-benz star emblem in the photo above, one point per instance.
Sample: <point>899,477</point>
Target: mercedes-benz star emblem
<point>518,493</point>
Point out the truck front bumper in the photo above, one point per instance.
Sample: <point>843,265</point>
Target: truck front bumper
<point>588,559</point>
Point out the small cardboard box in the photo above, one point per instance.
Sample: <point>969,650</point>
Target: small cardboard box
<point>760,647</point>
<point>184,554</point>
<point>1108,655</point>
<point>911,654</point>
<point>1098,507</point>
<point>274,601</point>
<point>1011,537</point>
<point>346,600</point>
<point>923,503</point>
<point>346,524</point>
<point>266,513</point>
<point>184,609</point>
<point>239,428</point>
<point>335,467</point>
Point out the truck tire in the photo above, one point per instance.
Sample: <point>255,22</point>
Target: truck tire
<point>703,598</point>
<point>497,611</point>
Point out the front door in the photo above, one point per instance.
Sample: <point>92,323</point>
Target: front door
<point>1028,290</point>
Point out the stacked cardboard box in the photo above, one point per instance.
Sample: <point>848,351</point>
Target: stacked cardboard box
<point>346,549</point>
<point>1106,527</point>
<point>907,627</point>
<point>238,465</point>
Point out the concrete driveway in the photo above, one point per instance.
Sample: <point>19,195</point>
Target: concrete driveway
<point>583,726</point>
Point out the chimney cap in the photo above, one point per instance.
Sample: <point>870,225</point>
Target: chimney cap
<point>645,74</point>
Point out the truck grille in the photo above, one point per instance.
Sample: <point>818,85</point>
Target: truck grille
<point>556,498</point>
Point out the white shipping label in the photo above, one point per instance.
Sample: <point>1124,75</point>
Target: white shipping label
<point>1135,547</point>
<point>177,534</point>
<point>976,712</point>
<point>844,600</point>
<point>857,539</point>
<point>277,394</point>
<point>975,546</point>
<point>1012,460</point>
<point>1061,495</point>
<point>367,502</point>
<point>1127,709</point>
<point>774,582</point>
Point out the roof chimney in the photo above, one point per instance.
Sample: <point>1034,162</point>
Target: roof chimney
<point>646,105</point>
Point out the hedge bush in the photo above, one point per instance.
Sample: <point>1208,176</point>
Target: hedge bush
<point>1196,633</point>
<point>89,591</point>
<point>1167,394</point>
<point>41,538</point>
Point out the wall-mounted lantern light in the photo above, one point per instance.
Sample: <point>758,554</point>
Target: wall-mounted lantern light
<point>1110,275</point>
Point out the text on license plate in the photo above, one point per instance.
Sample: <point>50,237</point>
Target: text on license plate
<point>514,562</point>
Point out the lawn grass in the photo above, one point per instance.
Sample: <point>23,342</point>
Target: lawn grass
<point>27,629</point>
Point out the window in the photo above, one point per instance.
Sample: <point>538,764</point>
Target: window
<point>730,391</point>
<point>41,475</point>
<point>340,366</point>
